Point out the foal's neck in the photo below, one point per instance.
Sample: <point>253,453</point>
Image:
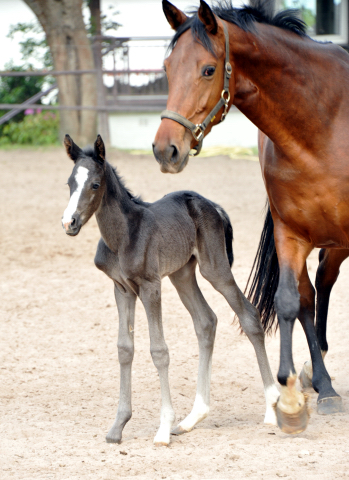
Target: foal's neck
<point>285,84</point>
<point>117,209</point>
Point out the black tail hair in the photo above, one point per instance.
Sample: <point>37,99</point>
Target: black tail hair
<point>228,233</point>
<point>264,276</point>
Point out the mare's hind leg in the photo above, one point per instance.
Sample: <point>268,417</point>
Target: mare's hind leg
<point>126,307</point>
<point>214,267</point>
<point>326,276</point>
<point>328,398</point>
<point>205,322</point>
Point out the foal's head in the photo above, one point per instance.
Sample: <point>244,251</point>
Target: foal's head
<point>86,183</point>
<point>195,72</point>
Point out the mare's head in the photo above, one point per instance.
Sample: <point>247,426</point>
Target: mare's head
<point>86,184</point>
<point>195,70</point>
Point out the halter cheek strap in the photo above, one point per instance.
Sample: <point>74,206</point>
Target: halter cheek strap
<point>198,130</point>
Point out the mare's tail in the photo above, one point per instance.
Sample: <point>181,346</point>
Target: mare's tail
<point>228,232</point>
<point>264,276</point>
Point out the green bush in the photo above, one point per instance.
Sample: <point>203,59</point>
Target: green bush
<point>37,129</point>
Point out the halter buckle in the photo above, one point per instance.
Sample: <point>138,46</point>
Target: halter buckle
<point>196,135</point>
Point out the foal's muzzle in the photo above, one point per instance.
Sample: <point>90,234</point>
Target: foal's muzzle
<point>73,227</point>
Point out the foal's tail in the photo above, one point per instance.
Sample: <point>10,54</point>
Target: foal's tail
<point>228,232</point>
<point>264,276</point>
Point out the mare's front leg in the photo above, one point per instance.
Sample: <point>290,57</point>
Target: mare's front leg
<point>150,295</point>
<point>126,302</point>
<point>205,322</point>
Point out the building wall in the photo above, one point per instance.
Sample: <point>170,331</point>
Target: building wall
<point>137,131</point>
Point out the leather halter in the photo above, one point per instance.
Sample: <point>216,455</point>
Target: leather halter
<point>197,130</point>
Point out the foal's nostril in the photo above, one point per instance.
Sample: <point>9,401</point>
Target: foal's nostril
<point>72,223</point>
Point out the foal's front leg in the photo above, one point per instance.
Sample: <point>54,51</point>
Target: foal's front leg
<point>150,295</point>
<point>126,307</point>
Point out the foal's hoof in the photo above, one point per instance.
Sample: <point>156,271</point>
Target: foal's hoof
<point>329,405</point>
<point>112,439</point>
<point>161,444</point>
<point>178,430</point>
<point>293,423</point>
<point>305,380</point>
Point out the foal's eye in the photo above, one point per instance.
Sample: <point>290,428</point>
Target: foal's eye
<point>95,186</point>
<point>208,71</point>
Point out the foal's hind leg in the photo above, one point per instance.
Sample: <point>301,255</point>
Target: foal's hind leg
<point>214,267</point>
<point>126,307</point>
<point>205,322</point>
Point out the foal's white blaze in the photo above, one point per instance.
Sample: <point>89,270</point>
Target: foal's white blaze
<point>80,178</point>
<point>271,396</point>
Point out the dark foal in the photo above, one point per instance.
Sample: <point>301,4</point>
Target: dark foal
<point>143,242</point>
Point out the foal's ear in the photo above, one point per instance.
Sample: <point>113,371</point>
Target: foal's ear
<point>100,149</point>
<point>73,151</point>
<point>175,17</point>
<point>207,17</point>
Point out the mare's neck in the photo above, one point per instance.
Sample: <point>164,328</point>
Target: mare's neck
<point>284,85</point>
<point>116,211</point>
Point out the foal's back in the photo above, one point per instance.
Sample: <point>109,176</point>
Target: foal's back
<point>185,220</point>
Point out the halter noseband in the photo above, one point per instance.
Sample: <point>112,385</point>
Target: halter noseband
<point>197,130</point>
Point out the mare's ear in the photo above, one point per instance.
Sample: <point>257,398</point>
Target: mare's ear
<point>175,17</point>
<point>100,149</point>
<point>207,17</point>
<point>73,151</point>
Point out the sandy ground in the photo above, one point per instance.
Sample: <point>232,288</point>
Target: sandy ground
<point>58,366</point>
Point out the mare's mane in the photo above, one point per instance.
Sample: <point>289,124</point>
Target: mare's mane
<point>245,18</point>
<point>116,183</point>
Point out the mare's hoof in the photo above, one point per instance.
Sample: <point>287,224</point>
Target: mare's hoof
<point>178,430</point>
<point>329,405</point>
<point>305,380</point>
<point>293,423</point>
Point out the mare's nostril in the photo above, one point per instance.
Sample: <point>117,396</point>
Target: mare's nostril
<point>174,156</point>
<point>156,153</point>
<point>72,223</point>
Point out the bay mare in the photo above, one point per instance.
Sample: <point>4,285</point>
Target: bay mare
<point>295,90</point>
<point>140,244</point>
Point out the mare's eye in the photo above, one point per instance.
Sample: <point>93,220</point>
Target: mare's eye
<point>95,186</point>
<point>209,71</point>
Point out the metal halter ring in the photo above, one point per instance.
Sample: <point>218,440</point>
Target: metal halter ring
<point>226,100</point>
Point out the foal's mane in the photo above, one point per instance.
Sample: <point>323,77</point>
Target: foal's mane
<point>245,18</point>
<point>116,184</point>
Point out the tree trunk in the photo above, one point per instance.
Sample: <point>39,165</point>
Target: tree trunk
<point>96,30</point>
<point>70,47</point>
